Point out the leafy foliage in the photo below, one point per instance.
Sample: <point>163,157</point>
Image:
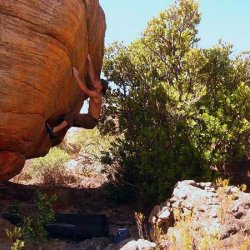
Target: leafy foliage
<point>91,142</point>
<point>32,231</point>
<point>46,215</point>
<point>55,159</point>
<point>14,235</point>
<point>51,169</point>
<point>180,109</point>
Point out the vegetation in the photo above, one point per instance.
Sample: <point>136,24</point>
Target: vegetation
<point>176,112</point>
<point>55,159</point>
<point>181,110</point>
<point>91,142</point>
<point>50,170</point>
<point>187,234</point>
<point>32,231</point>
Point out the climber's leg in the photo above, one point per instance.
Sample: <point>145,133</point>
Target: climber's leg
<point>69,119</point>
<point>61,126</point>
<point>85,121</point>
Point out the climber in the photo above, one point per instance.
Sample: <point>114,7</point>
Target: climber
<point>89,121</point>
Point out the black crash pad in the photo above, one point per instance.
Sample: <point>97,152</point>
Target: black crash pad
<point>71,226</point>
<point>78,227</point>
<point>14,219</point>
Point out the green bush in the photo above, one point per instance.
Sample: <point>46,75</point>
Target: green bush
<point>56,158</point>
<point>119,194</point>
<point>51,168</point>
<point>92,142</point>
<point>32,231</point>
<point>181,110</point>
<point>46,215</point>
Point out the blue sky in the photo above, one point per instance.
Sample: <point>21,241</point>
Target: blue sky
<point>225,19</point>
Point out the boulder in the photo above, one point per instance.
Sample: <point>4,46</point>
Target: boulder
<point>131,244</point>
<point>218,213</point>
<point>40,42</point>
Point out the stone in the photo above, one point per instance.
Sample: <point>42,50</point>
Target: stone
<point>165,214</point>
<point>94,244</point>
<point>161,215</point>
<point>128,244</point>
<point>212,212</point>
<point>145,245</point>
<point>40,43</point>
<point>131,244</point>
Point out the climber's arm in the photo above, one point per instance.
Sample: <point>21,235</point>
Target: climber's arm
<point>91,71</point>
<point>82,86</point>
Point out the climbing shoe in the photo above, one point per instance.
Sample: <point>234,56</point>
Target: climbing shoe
<point>49,130</point>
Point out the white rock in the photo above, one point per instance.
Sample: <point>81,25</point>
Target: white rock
<point>206,204</point>
<point>145,245</point>
<point>165,214</point>
<point>131,245</point>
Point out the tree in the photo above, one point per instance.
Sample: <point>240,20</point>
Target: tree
<point>180,109</point>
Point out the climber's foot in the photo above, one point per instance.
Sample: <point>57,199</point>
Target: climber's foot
<point>49,130</point>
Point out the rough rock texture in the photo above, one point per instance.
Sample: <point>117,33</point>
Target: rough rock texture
<point>40,41</point>
<point>131,244</point>
<point>214,209</point>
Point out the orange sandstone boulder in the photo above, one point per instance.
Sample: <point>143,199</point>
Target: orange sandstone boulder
<point>40,42</point>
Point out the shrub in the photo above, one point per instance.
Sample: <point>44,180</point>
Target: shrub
<point>181,110</point>
<point>32,231</point>
<point>57,177</point>
<point>92,142</point>
<point>50,169</point>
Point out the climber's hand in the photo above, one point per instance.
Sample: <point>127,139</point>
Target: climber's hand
<point>75,72</point>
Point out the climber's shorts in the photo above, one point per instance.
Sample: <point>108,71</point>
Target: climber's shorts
<point>81,120</point>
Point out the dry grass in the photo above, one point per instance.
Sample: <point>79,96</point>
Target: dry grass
<point>57,177</point>
<point>85,147</point>
<point>185,235</point>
